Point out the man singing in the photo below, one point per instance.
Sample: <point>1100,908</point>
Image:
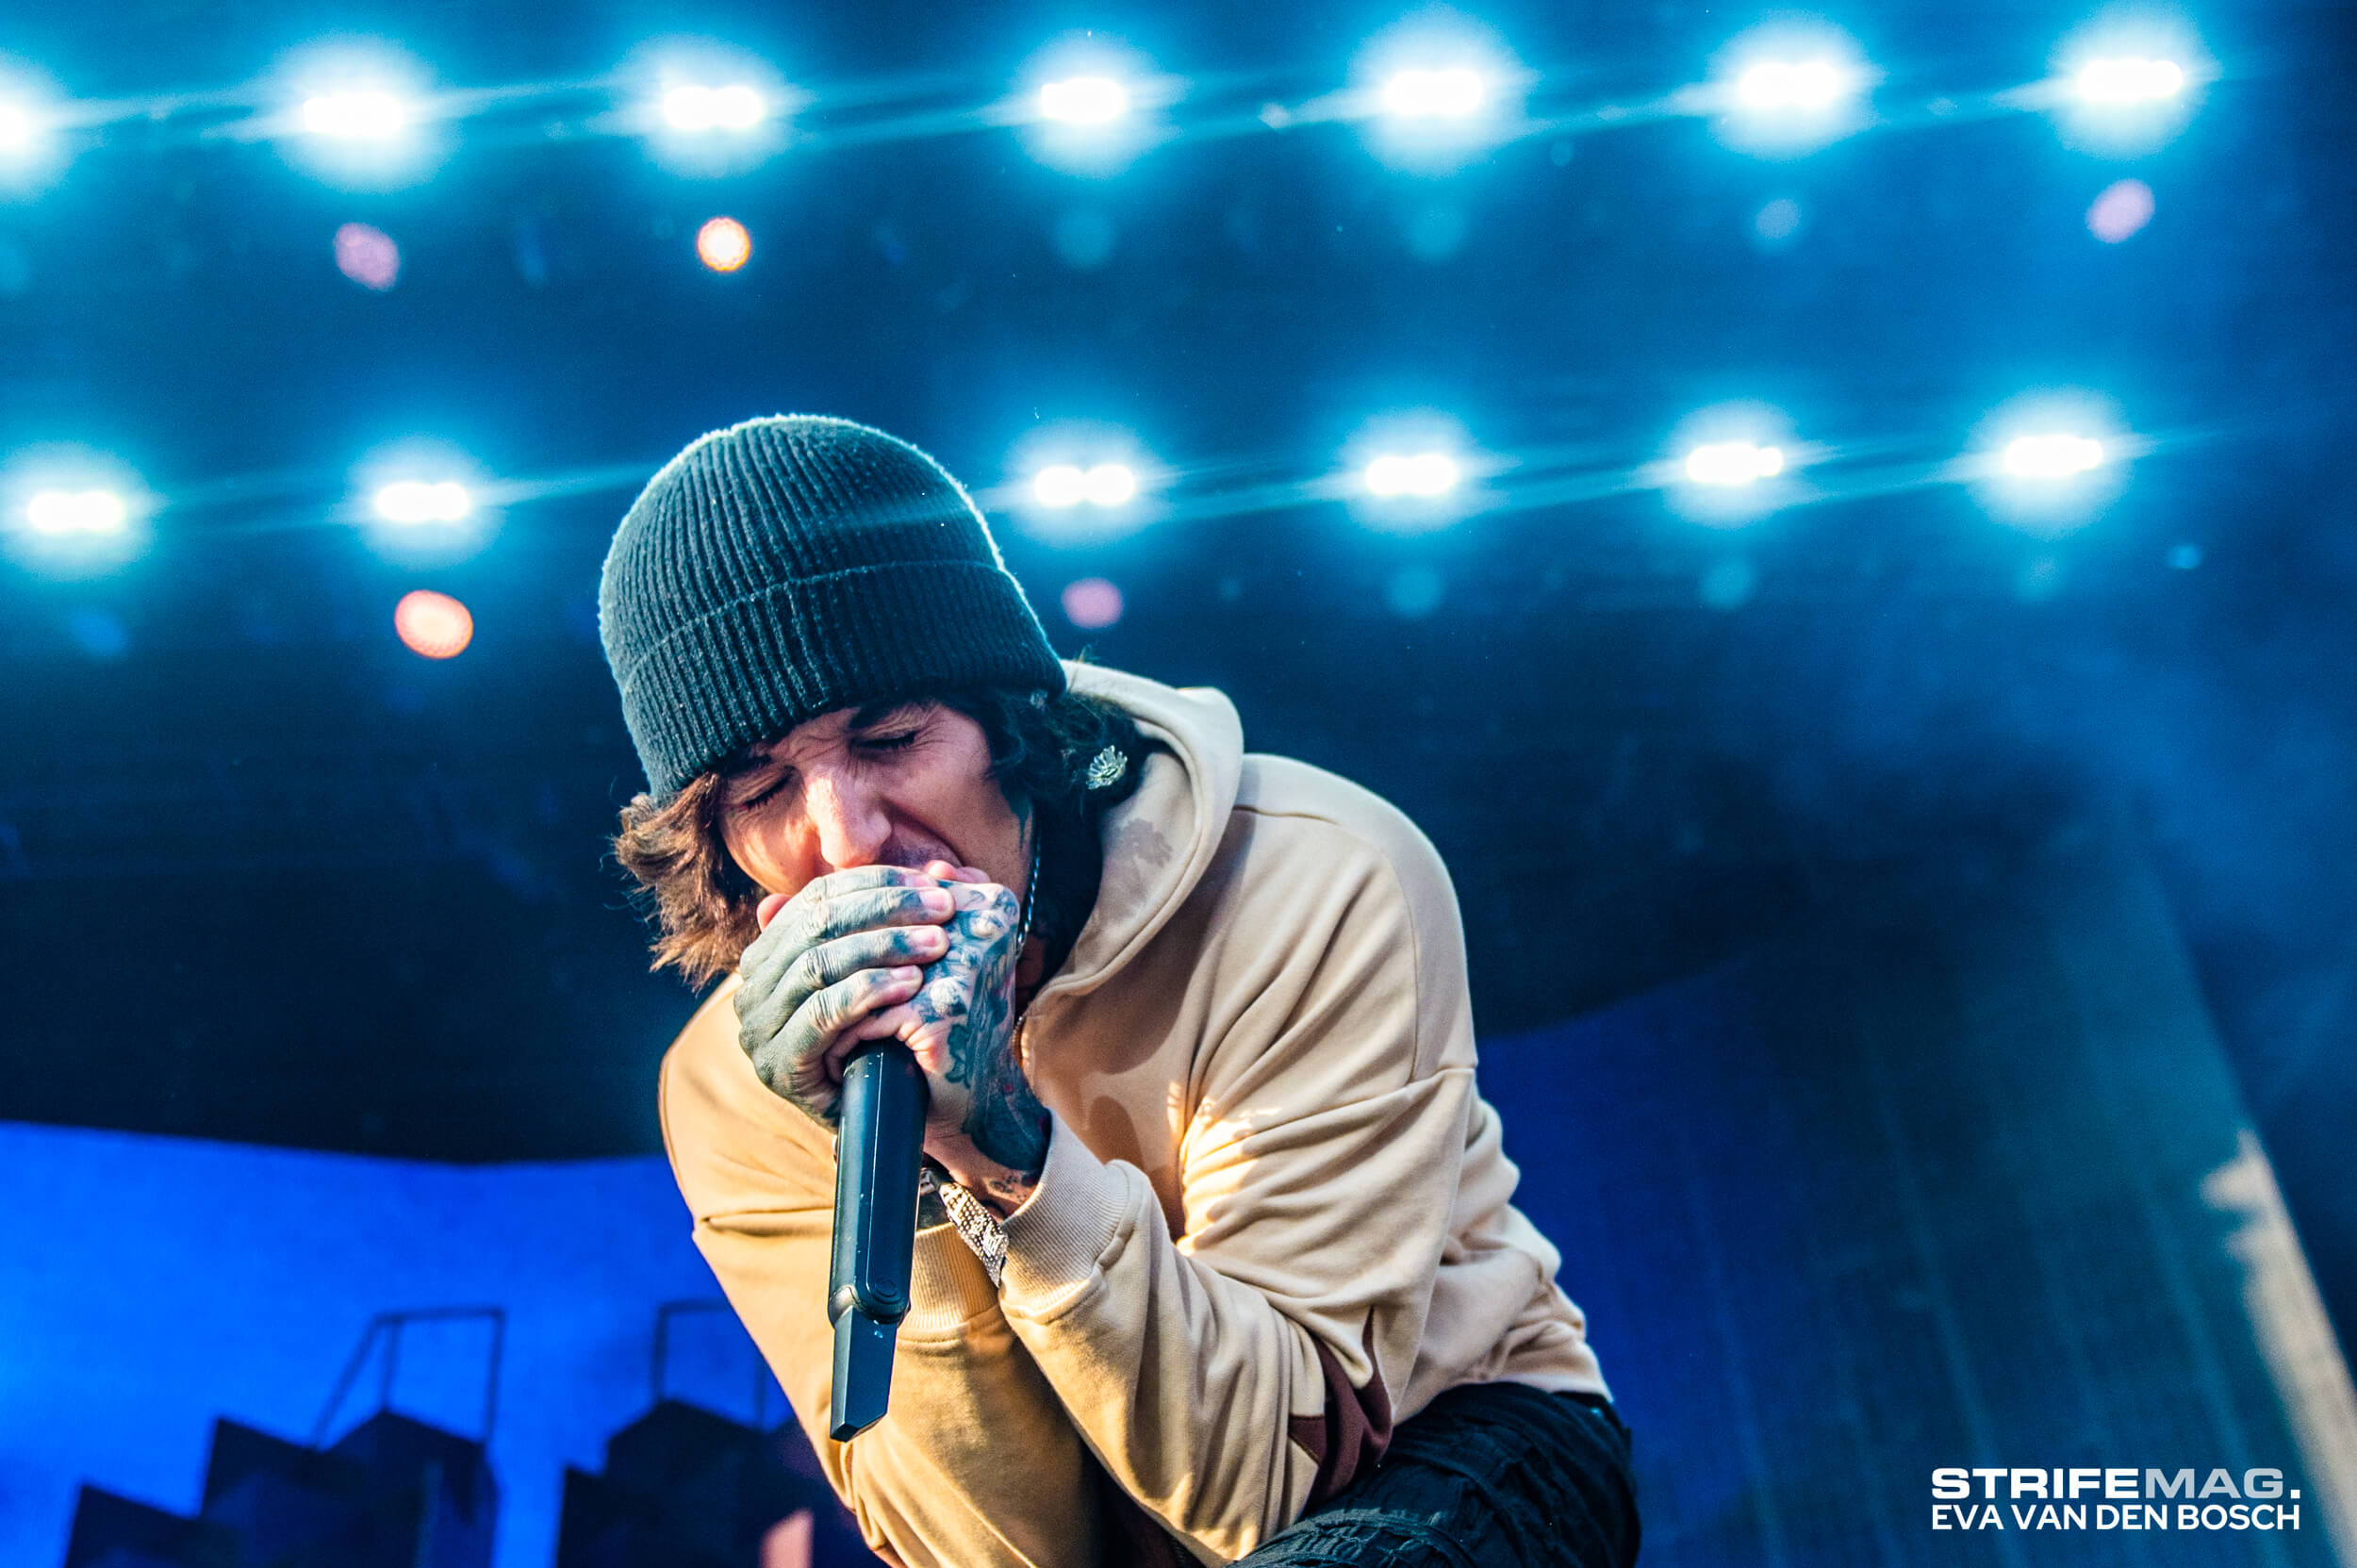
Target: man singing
<point>1218,1259</point>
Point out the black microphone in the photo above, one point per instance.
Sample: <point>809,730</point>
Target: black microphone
<point>880,1145</point>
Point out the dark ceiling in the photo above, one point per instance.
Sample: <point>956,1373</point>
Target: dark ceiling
<point>265,875</point>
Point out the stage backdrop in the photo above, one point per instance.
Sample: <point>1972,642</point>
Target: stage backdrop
<point>1955,1176</point>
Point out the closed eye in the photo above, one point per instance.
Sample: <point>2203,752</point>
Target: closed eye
<point>898,742</point>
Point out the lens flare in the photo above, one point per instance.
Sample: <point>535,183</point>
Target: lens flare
<point>724,245</point>
<point>433,626</point>
<point>1092,603</point>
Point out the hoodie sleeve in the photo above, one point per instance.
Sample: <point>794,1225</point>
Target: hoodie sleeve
<point>1231,1377</point>
<point>976,1464</point>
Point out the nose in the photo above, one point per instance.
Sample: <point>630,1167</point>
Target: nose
<point>850,820</point>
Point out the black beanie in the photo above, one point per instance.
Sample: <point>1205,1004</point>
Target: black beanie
<point>787,567</point>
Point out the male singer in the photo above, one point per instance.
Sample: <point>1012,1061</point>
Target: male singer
<point>1218,1259</point>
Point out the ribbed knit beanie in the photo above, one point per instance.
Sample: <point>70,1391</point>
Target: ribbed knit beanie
<point>787,567</point>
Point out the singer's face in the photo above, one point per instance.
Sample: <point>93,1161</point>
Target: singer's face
<point>870,786</point>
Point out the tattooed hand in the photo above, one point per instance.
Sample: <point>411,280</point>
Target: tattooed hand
<point>828,960</point>
<point>863,955</point>
<point>984,1124</point>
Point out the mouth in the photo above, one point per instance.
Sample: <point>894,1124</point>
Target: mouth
<point>913,854</point>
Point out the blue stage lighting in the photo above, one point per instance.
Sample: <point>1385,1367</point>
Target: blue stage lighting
<point>1434,94</point>
<point>696,108</point>
<point>1411,471</point>
<point>34,118</point>
<point>1061,485</point>
<point>370,114</point>
<point>1081,481</point>
<point>60,513</point>
<point>1422,473</point>
<point>2048,462</point>
<point>1091,106</point>
<point>421,501</point>
<point>704,108</point>
<point>2123,86</point>
<point>66,511</point>
<point>2053,457</point>
<point>1083,100</point>
<point>1457,93</point>
<point>1787,87</point>
<point>1729,465</point>
<point>358,115</point>
<point>2134,80</point>
<point>1733,463</point>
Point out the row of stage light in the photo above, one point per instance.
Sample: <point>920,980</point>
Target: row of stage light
<point>2045,463</point>
<point>1428,95</point>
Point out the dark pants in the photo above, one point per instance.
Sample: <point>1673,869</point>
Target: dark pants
<point>1488,1474</point>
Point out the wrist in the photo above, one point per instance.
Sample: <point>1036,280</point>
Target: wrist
<point>998,1188</point>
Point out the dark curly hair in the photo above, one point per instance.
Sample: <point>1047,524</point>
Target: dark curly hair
<point>1041,747</point>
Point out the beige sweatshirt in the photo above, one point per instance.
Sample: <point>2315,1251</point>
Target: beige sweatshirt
<point>1275,1218</point>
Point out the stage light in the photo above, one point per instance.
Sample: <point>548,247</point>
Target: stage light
<point>1090,104</point>
<point>1733,463</point>
<point>362,115</point>
<point>1730,465</point>
<point>1433,93</point>
<point>696,108</point>
<point>1787,87</point>
<point>57,513</point>
<point>69,512</point>
<point>421,501</point>
<point>723,245</point>
<point>36,116</point>
<point>1422,473</point>
<point>1063,484</point>
<point>2129,80</point>
<point>2048,462</point>
<point>414,502</point>
<point>2053,455</point>
<point>1809,84</point>
<point>433,626</point>
<point>1081,481</point>
<point>1110,485</point>
<point>2123,85</point>
<point>367,115</point>
<point>1083,100</point>
<point>1060,485</point>
<point>1455,92</point>
<point>704,108</point>
<point>1411,471</point>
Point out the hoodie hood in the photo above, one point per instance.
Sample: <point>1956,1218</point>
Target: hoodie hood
<point>1161,840</point>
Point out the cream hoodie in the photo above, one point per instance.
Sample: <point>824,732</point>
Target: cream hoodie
<point>1275,1216</point>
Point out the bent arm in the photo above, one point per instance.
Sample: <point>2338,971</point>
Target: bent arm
<point>1231,1378</point>
<point>976,1465</point>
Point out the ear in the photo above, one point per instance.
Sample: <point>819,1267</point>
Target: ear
<point>768,909</point>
